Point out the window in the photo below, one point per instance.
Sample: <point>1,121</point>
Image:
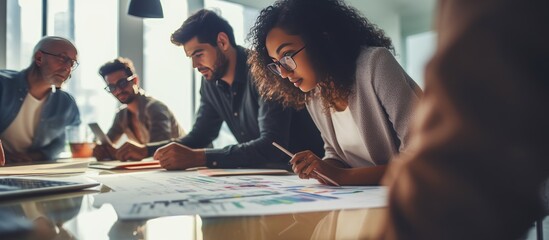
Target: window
<point>92,25</point>
<point>167,71</point>
<point>22,15</point>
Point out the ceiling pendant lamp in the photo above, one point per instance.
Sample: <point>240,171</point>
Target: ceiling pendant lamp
<point>146,8</point>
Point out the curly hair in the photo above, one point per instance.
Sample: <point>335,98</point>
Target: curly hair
<point>333,33</point>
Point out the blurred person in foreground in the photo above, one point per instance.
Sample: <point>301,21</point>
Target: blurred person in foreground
<point>478,151</point>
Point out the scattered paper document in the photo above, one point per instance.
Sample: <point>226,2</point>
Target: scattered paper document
<point>46,168</point>
<point>238,171</point>
<point>169,193</point>
<point>127,165</point>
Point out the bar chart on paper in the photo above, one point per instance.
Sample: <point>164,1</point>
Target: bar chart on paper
<point>157,194</point>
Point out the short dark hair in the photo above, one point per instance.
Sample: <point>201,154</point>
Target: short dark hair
<point>117,64</point>
<point>205,25</point>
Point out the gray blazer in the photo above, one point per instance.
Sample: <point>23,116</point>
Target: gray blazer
<point>381,104</point>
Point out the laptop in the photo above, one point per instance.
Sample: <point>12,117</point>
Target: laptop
<point>11,187</point>
<point>99,134</point>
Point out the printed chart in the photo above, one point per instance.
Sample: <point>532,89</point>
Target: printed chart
<point>163,193</point>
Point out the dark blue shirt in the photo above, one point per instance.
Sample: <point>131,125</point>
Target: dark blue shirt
<point>254,122</point>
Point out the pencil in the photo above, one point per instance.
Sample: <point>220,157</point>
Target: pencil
<point>324,177</point>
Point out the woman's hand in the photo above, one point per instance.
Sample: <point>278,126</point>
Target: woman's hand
<point>304,163</point>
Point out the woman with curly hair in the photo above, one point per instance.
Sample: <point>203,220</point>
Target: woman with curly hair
<point>323,54</point>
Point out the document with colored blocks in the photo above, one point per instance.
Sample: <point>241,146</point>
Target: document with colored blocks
<point>167,193</point>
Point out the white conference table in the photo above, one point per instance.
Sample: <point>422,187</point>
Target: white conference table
<point>73,216</point>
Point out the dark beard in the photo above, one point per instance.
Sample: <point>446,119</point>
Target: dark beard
<point>221,65</point>
<point>128,100</point>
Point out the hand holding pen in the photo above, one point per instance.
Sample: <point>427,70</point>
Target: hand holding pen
<point>305,163</point>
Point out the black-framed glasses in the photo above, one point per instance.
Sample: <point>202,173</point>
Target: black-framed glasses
<point>64,59</point>
<point>120,84</point>
<point>287,62</point>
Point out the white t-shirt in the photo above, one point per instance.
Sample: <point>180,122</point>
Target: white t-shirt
<point>355,152</point>
<point>19,134</point>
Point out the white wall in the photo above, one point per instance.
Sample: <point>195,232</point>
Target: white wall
<point>130,38</point>
<point>420,48</point>
<point>389,22</point>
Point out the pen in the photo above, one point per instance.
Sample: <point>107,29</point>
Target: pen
<point>324,177</point>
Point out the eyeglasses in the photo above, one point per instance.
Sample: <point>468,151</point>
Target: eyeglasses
<point>64,59</point>
<point>287,62</point>
<point>120,84</point>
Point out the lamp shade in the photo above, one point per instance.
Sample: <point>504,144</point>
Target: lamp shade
<point>146,8</point>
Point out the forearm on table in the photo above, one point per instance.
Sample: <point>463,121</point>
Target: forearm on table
<point>363,175</point>
<point>344,175</point>
<point>335,163</point>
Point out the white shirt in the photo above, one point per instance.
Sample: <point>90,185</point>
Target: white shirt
<point>354,149</point>
<point>19,134</point>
